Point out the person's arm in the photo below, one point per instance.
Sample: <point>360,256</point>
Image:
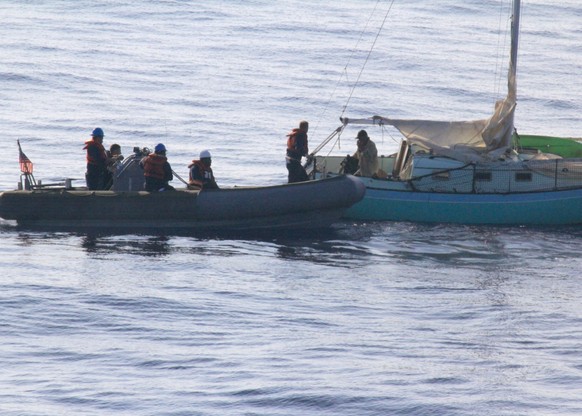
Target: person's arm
<point>168,176</point>
<point>196,181</point>
<point>301,141</point>
<point>212,183</point>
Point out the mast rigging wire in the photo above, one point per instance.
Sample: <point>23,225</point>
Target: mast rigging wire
<point>345,69</point>
<point>368,56</point>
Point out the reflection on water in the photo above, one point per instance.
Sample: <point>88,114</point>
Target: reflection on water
<point>144,246</point>
<point>347,244</point>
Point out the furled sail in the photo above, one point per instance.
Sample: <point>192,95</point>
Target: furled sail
<point>467,140</point>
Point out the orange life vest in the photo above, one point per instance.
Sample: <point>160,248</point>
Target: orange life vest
<point>153,166</point>
<point>206,174</point>
<point>292,140</point>
<point>90,159</point>
<point>293,150</point>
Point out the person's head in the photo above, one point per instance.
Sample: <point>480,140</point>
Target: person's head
<point>304,126</point>
<point>362,136</point>
<point>97,135</point>
<point>115,149</point>
<point>160,149</point>
<point>206,157</point>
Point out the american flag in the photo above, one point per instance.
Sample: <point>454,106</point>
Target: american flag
<point>25,163</point>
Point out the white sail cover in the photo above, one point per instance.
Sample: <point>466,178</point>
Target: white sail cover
<point>469,141</point>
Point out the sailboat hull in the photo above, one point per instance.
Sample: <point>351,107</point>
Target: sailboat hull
<point>535,208</point>
<point>433,189</point>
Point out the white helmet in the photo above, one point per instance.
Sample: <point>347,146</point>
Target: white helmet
<point>205,154</point>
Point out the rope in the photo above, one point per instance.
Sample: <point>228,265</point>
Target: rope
<point>339,130</point>
<point>345,70</point>
<point>369,53</point>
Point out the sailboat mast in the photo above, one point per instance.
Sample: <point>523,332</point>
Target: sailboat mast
<point>514,44</point>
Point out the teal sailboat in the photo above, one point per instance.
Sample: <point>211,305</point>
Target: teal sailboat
<point>468,172</point>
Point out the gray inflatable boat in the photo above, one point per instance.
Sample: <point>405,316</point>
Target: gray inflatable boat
<point>300,206</point>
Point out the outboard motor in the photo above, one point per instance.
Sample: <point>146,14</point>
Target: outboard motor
<point>129,174</point>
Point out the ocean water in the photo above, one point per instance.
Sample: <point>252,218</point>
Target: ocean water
<point>367,319</point>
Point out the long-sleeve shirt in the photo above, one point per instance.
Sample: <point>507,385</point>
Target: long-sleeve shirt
<point>368,159</point>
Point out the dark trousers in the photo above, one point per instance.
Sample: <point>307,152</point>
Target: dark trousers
<point>297,172</point>
<point>157,185</point>
<point>95,178</point>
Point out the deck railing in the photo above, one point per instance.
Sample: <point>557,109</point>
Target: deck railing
<point>531,176</point>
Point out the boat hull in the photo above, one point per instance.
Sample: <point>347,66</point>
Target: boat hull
<point>561,146</point>
<point>306,205</point>
<point>535,208</point>
<point>447,193</point>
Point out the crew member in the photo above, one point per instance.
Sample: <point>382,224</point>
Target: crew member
<point>157,171</point>
<point>96,161</point>
<point>114,158</point>
<point>297,147</point>
<point>201,175</point>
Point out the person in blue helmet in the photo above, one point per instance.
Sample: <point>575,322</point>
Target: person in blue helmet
<point>157,170</point>
<point>96,161</point>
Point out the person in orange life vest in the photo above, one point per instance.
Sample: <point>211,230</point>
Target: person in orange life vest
<point>96,161</point>
<point>201,175</point>
<point>297,147</point>
<point>157,171</point>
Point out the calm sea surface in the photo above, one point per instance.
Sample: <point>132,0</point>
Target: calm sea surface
<point>368,319</point>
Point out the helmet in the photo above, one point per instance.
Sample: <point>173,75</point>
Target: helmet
<point>159,148</point>
<point>98,132</point>
<point>205,154</point>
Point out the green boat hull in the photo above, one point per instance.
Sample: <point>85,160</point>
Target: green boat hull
<point>561,146</point>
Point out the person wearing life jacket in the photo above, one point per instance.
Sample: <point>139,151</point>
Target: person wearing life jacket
<point>201,175</point>
<point>96,161</point>
<point>157,171</point>
<point>297,147</point>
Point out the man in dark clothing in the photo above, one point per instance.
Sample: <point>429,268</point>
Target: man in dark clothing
<point>157,171</point>
<point>96,161</point>
<point>297,147</point>
<point>114,158</point>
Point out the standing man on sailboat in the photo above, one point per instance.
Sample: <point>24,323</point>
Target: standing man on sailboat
<point>367,155</point>
<point>297,147</point>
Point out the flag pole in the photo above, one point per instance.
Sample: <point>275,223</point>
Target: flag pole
<point>26,169</point>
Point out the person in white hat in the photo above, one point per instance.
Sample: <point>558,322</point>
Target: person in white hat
<point>201,175</point>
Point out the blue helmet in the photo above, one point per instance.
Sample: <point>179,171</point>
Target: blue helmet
<point>159,148</point>
<point>98,132</point>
